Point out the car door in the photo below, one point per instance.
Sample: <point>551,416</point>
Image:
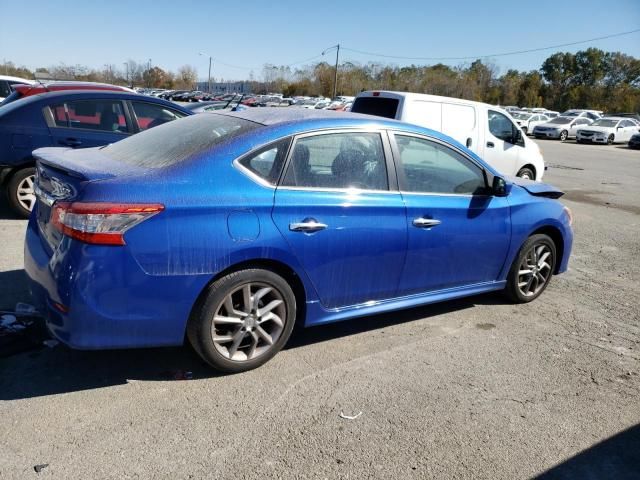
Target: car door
<point>502,150</point>
<point>458,234</point>
<point>576,124</point>
<point>341,218</point>
<point>628,129</point>
<point>87,123</point>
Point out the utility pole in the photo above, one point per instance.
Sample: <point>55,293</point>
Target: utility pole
<point>126,64</point>
<point>209,87</point>
<point>149,74</point>
<point>335,75</point>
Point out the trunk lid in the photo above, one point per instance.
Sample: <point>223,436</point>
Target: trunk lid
<point>62,174</point>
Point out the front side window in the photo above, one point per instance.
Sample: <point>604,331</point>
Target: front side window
<point>338,160</point>
<point>150,115</point>
<point>100,115</point>
<point>5,91</point>
<point>430,167</point>
<point>501,127</point>
<point>268,161</point>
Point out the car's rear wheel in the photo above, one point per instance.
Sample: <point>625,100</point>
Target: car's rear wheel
<point>564,135</point>
<point>524,130</point>
<point>20,192</point>
<point>526,172</point>
<point>532,269</point>
<point>245,319</point>
<point>610,139</point>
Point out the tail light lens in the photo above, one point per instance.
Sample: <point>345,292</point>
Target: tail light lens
<point>100,223</point>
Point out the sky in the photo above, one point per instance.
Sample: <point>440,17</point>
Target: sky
<point>249,34</point>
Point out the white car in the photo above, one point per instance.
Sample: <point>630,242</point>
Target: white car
<point>608,130</point>
<point>7,82</point>
<point>527,121</point>
<point>561,127</point>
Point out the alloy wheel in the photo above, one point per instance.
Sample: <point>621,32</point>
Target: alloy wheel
<point>535,269</point>
<point>25,195</point>
<point>248,321</point>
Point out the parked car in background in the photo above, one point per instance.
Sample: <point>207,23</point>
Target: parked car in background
<point>561,128</point>
<point>73,119</point>
<point>488,131</point>
<point>576,112</point>
<point>297,245</point>
<point>608,130</point>
<point>21,91</point>
<point>7,84</point>
<point>527,121</point>
<point>634,141</point>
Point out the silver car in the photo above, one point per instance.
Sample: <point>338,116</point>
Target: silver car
<point>561,127</point>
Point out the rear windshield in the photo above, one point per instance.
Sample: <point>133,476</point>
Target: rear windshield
<point>380,106</point>
<point>176,141</point>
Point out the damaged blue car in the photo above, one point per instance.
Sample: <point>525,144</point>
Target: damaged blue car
<point>228,229</point>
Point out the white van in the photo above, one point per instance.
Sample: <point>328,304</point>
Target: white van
<point>486,130</point>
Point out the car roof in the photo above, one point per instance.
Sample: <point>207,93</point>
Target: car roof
<point>86,94</point>
<point>16,79</point>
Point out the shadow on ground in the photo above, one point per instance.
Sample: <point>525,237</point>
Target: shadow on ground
<point>49,371</point>
<point>617,457</point>
<point>13,289</point>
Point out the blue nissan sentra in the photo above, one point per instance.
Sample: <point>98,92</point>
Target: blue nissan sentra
<point>230,228</point>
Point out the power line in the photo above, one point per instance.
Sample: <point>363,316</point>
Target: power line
<point>494,54</point>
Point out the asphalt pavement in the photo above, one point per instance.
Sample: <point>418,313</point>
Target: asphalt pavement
<point>477,388</point>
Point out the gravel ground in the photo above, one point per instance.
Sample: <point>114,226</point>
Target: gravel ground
<point>476,388</point>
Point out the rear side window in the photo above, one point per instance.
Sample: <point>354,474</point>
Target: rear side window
<point>174,142</point>
<point>379,106</point>
<point>5,91</point>
<point>340,160</point>
<point>150,115</point>
<point>267,162</point>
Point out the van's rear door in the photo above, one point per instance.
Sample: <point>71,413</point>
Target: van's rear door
<point>380,104</point>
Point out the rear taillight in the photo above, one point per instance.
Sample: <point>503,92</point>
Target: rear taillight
<point>100,223</point>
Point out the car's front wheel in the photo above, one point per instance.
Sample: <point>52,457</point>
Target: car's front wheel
<point>20,192</point>
<point>564,135</point>
<point>245,319</point>
<point>610,139</point>
<point>532,269</point>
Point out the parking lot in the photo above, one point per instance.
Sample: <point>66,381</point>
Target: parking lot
<point>476,388</point>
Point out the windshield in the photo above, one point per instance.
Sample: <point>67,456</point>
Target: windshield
<point>605,123</point>
<point>176,141</point>
<point>561,120</point>
<point>522,116</point>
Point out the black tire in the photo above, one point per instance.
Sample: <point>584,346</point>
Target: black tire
<point>526,172</point>
<point>524,130</point>
<point>610,139</point>
<point>14,183</point>
<point>564,135</point>
<point>201,325</point>
<point>512,289</point>
<point>578,140</point>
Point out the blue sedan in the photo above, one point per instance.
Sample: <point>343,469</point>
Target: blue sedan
<point>230,228</point>
<point>72,118</point>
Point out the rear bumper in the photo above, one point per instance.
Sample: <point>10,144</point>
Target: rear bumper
<point>111,302</point>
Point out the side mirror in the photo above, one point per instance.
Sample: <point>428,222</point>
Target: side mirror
<point>499,187</point>
<point>517,137</point>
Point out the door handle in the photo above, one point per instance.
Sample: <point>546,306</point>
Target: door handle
<point>490,144</point>
<point>308,225</point>
<point>70,142</point>
<point>426,222</point>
